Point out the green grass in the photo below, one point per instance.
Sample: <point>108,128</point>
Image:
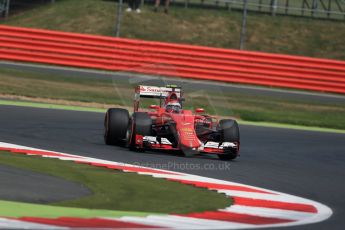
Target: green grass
<point>209,27</point>
<point>116,190</point>
<point>50,106</point>
<point>276,110</point>
<point>103,93</point>
<point>71,88</point>
<point>18,209</point>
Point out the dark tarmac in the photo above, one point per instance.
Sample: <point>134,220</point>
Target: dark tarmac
<point>27,186</point>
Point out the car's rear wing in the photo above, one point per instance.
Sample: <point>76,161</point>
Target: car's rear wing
<point>156,92</point>
<point>160,93</point>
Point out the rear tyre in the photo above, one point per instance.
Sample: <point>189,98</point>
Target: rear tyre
<point>141,124</point>
<point>229,132</point>
<point>115,126</point>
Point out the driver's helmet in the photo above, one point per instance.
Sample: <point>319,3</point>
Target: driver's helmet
<point>173,106</point>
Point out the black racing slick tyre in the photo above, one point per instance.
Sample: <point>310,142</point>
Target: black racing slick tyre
<point>141,124</point>
<point>229,132</point>
<point>115,126</point>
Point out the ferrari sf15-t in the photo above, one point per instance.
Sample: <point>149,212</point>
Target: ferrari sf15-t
<point>169,127</point>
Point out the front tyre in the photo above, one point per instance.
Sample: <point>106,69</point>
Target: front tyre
<point>115,126</point>
<point>229,132</point>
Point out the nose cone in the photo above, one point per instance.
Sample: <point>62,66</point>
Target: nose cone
<point>188,137</point>
<point>189,141</point>
<point>185,128</point>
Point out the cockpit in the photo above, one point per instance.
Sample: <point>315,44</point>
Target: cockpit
<point>174,107</point>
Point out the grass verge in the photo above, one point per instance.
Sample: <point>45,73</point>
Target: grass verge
<point>116,190</point>
<point>99,93</point>
<point>18,209</point>
<point>209,27</point>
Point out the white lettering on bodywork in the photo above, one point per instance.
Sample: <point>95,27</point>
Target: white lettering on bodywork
<point>153,140</point>
<point>228,145</point>
<point>216,145</point>
<point>211,144</point>
<point>165,141</point>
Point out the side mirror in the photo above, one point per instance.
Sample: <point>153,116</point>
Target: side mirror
<point>154,107</point>
<point>199,110</point>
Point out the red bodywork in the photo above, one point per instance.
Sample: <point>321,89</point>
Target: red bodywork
<point>184,126</point>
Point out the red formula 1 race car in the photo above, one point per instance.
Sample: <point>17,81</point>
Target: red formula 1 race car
<point>169,127</point>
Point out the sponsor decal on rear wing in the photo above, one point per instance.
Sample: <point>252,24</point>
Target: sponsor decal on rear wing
<point>156,92</point>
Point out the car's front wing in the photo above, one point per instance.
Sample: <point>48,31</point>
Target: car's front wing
<point>152,142</point>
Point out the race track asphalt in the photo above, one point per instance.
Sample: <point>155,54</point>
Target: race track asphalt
<point>302,163</point>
